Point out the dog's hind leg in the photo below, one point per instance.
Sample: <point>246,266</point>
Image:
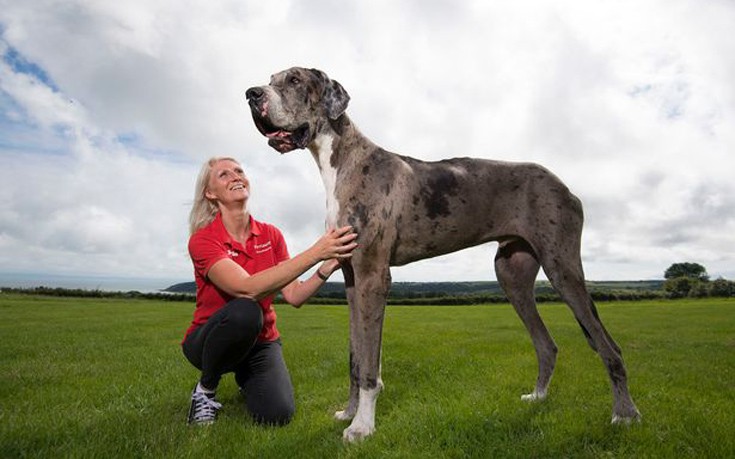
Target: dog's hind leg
<point>566,275</point>
<point>516,267</point>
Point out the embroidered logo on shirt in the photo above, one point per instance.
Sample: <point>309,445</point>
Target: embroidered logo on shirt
<point>261,248</point>
<point>232,253</point>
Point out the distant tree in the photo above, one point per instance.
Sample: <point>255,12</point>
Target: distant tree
<point>699,290</point>
<point>722,288</point>
<point>679,287</point>
<point>690,270</point>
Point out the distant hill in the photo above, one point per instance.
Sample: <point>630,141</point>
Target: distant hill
<point>476,290</point>
<point>183,287</point>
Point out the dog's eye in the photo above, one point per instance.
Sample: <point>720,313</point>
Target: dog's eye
<point>294,80</point>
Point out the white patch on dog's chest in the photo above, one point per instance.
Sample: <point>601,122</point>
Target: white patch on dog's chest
<point>329,177</point>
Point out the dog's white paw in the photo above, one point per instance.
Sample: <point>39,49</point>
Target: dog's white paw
<point>363,424</point>
<point>625,420</point>
<point>344,415</point>
<point>357,431</point>
<point>534,396</point>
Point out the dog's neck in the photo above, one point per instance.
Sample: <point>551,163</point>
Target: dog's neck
<point>322,150</point>
<point>329,149</point>
<point>334,139</point>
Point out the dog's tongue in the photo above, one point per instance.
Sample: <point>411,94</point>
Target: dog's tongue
<point>278,134</point>
<point>285,141</point>
<point>280,144</point>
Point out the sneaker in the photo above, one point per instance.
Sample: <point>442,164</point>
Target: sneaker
<point>203,409</point>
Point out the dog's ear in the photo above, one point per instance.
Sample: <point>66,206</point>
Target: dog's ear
<point>335,99</point>
<point>334,96</point>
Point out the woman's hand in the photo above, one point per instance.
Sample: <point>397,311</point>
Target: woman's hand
<point>333,247</point>
<point>336,243</point>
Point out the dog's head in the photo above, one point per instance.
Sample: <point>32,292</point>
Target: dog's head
<point>295,105</point>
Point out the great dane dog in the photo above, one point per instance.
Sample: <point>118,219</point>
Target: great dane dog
<point>405,210</point>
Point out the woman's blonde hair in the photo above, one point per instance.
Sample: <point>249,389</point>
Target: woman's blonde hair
<point>204,210</point>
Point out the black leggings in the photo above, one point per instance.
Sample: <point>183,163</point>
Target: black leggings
<point>227,343</point>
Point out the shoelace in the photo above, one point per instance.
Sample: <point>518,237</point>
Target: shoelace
<point>206,408</point>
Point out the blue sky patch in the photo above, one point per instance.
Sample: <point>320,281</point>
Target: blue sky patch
<point>19,64</point>
<point>18,134</point>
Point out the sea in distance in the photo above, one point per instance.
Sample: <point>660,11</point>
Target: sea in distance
<point>103,283</point>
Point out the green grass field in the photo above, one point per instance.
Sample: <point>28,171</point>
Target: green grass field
<point>106,378</point>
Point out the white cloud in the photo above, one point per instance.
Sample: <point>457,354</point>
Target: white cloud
<point>631,103</point>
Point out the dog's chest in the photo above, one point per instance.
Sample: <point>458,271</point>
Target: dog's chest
<point>329,177</point>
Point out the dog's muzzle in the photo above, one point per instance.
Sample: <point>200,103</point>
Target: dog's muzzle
<point>281,139</point>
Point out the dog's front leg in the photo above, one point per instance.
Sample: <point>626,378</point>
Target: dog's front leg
<point>349,412</point>
<point>366,327</point>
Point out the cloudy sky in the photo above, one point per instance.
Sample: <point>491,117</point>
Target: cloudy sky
<point>107,110</point>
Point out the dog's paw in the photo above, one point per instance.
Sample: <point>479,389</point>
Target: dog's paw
<point>534,396</point>
<point>356,433</point>
<point>627,419</point>
<point>344,415</point>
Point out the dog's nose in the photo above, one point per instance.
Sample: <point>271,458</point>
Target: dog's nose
<point>254,94</point>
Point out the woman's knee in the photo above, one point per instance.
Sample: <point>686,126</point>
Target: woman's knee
<point>277,413</point>
<point>245,314</point>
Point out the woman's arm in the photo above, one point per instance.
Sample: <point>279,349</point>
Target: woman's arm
<point>296,293</point>
<point>235,281</point>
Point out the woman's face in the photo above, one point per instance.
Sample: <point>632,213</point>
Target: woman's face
<point>227,183</point>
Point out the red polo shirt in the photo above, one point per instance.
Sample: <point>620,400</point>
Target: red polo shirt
<point>264,248</point>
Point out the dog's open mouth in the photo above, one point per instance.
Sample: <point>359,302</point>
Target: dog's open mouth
<point>282,140</point>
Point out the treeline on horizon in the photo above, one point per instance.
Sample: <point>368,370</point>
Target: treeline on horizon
<point>404,293</point>
<point>96,293</point>
<point>488,292</point>
<point>429,293</point>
